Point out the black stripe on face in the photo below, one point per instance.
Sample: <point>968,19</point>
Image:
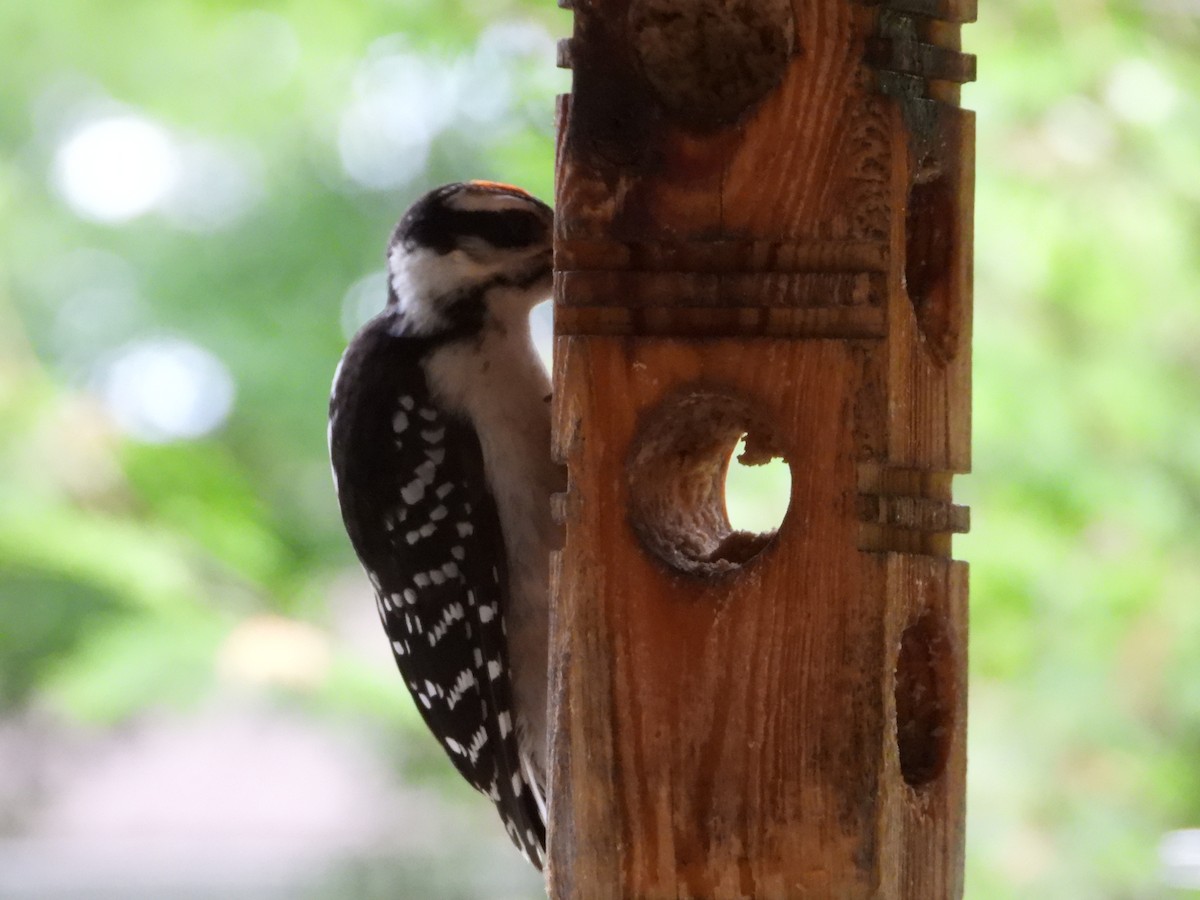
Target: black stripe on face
<point>432,223</point>
<point>508,228</point>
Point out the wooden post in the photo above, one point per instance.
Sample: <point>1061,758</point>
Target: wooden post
<point>763,227</point>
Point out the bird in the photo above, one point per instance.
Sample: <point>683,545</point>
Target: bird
<point>439,440</point>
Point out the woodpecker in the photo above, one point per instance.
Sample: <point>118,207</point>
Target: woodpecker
<point>439,437</point>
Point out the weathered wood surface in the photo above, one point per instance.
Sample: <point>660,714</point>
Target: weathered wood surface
<point>791,260</point>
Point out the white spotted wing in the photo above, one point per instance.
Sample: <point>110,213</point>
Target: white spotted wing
<point>416,505</point>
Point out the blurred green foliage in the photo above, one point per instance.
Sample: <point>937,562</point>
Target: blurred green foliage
<point>128,568</point>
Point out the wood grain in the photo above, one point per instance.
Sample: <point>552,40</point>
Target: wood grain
<point>787,723</point>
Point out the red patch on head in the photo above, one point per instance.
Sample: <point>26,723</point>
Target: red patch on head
<point>499,186</point>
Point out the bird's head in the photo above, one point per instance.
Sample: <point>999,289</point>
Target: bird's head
<point>468,252</point>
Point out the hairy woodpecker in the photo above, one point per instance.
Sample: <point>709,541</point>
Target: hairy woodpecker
<point>439,435</point>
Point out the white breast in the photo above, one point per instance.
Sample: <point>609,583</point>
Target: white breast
<point>500,385</point>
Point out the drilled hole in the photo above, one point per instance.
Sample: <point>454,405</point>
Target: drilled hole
<point>756,496</point>
<point>678,475</point>
<point>924,700</point>
<point>930,224</point>
<point>709,61</point>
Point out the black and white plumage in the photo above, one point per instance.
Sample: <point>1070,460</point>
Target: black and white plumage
<point>439,434</point>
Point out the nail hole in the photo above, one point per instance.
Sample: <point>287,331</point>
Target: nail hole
<point>682,475</point>
<point>930,223</point>
<point>924,701</point>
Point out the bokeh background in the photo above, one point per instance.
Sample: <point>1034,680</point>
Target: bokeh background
<point>195,699</point>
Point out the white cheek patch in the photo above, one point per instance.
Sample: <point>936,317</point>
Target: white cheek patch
<point>421,277</point>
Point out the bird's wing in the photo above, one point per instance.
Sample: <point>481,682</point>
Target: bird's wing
<point>416,505</point>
